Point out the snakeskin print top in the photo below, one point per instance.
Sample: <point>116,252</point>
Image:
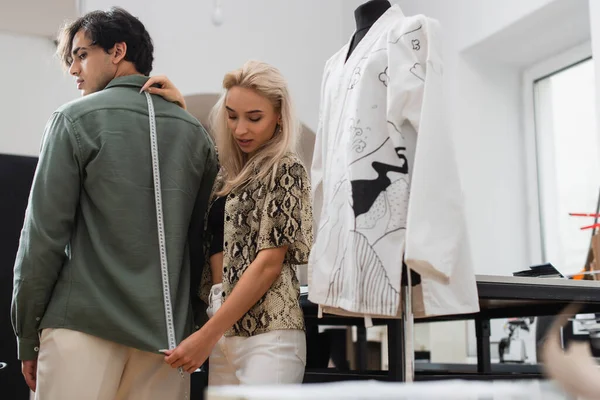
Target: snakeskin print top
<point>259,216</point>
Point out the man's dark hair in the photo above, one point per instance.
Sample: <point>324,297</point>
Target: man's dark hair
<point>104,29</point>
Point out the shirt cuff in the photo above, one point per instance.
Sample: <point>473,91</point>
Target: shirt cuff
<point>28,349</point>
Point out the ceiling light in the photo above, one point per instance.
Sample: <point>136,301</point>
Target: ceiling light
<point>217,17</point>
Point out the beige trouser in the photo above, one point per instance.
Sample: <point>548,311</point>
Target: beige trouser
<point>76,366</point>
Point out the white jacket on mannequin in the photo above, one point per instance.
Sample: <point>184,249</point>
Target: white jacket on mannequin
<point>385,179</point>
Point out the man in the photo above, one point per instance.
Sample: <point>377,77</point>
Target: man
<point>90,300</point>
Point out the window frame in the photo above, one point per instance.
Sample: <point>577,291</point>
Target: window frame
<point>536,72</point>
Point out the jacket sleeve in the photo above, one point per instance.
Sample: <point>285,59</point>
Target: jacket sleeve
<point>196,231</point>
<point>49,221</point>
<point>415,95</point>
<point>317,171</point>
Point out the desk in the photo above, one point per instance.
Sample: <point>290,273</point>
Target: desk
<point>499,297</point>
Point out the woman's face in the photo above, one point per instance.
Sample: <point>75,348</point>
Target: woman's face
<point>251,118</point>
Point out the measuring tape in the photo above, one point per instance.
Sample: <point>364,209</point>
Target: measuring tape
<point>164,268</point>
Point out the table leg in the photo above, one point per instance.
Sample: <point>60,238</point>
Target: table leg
<point>484,359</point>
<point>361,350</point>
<point>395,339</point>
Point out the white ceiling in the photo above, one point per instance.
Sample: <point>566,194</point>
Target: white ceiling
<point>35,17</point>
<point>556,27</point>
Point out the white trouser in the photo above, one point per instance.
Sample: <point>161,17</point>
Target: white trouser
<point>76,366</point>
<point>274,357</point>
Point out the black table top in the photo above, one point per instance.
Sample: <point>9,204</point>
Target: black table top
<point>509,296</point>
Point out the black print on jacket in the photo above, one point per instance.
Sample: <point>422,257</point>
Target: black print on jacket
<point>356,74</point>
<point>384,77</point>
<point>407,33</point>
<point>417,71</point>
<point>365,191</point>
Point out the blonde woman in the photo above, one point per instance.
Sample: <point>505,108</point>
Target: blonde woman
<point>259,227</point>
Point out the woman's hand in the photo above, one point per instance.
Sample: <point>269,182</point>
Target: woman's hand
<point>254,283</point>
<point>166,89</point>
<point>193,351</point>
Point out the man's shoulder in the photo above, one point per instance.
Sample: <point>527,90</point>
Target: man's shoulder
<point>75,108</point>
<point>101,100</point>
<point>125,99</point>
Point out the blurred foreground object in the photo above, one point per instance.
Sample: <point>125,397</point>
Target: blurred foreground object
<point>575,369</point>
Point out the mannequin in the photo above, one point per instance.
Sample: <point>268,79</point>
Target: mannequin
<point>365,16</point>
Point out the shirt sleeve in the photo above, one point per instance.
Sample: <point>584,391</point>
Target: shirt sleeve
<point>415,95</point>
<point>49,221</point>
<point>286,217</point>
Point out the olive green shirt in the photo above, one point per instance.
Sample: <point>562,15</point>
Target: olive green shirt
<point>88,257</point>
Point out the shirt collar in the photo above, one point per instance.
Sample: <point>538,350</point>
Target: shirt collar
<point>129,80</point>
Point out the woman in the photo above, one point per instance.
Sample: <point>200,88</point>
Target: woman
<point>259,228</point>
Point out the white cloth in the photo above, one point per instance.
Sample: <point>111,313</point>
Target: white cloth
<point>275,357</point>
<point>215,299</point>
<point>385,179</point>
<point>361,390</point>
<point>74,366</point>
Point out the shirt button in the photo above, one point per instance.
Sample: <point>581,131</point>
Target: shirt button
<point>227,218</point>
<point>36,349</point>
<point>37,319</point>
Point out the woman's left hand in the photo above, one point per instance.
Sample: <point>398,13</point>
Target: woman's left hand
<point>192,352</point>
<point>166,89</point>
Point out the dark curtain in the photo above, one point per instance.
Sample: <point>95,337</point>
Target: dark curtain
<point>16,175</point>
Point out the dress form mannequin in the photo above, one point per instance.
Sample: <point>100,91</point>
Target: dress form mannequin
<point>365,16</point>
<point>380,95</point>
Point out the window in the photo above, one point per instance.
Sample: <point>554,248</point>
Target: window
<point>566,159</point>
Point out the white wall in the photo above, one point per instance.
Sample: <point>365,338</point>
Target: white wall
<point>35,17</point>
<point>33,86</point>
<point>296,36</point>
<point>467,22</point>
<point>595,26</point>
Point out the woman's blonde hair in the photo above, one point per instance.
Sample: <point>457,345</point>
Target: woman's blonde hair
<point>238,168</point>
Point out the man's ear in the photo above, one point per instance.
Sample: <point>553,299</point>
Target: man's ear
<point>119,52</point>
